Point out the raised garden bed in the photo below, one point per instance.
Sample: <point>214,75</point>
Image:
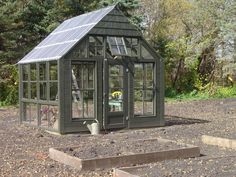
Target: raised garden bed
<point>117,154</point>
<point>222,142</point>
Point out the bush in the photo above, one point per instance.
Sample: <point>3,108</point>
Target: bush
<point>9,85</point>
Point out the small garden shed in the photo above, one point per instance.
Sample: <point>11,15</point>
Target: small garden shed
<point>95,67</point>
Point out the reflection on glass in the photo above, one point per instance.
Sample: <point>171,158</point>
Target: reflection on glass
<point>53,91</point>
<point>33,90</point>
<point>31,113</point>
<point>27,112</point>
<point>44,110</point>
<point>53,71</point>
<point>25,72</point>
<point>138,77</point>
<point>148,102</point>
<point>42,71</point>
<point>33,73</point>
<point>88,101</point>
<point>116,80</point>
<point>43,90</point>
<point>132,46</point>
<point>25,90</point>
<point>53,117</point>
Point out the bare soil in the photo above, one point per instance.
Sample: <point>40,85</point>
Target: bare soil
<point>109,148</point>
<point>24,149</point>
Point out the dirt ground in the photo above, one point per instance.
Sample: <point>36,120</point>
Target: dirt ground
<point>24,149</point>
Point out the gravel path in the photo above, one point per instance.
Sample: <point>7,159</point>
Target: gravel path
<point>24,149</point>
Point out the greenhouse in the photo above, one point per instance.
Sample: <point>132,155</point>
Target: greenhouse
<point>95,67</point>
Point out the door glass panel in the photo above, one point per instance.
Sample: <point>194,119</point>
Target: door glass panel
<point>116,79</point>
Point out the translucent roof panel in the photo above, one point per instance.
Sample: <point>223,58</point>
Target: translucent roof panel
<point>65,36</point>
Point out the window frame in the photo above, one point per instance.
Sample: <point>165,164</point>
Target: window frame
<point>145,89</point>
<point>117,46</point>
<point>94,90</point>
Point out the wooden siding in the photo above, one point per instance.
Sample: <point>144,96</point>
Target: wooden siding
<point>115,24</point>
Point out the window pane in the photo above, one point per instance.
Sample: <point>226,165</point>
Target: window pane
<point>42,71</point>
<point>145,53</point>
<point>34,114</point>
<point>149,75</point>
<point>138,102</point>
<point>112,40</point>
<point>44,113</point>
<point>115,49</point>
<point>122,50</point>
<point>53,91</point>
<point>138,76</point>
<point>33,90</point>
<point>77,109</point>
<point>33,73</point>
<point>27,112</point>
<point>148,102</point>
<point>43,91</point>
<point>117,45</point>
<point>88,104</point>
<point>115,100</point>
<point>31,113</point>
<point>131,46</point>
<point>25,72</point>
<point>25,90</point>
<point>115,82</point>
<point>53,117</point>
<point>53,71</point>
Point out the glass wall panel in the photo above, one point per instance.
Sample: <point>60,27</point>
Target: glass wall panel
<point>83,91</point>
<point>42,72</point>
<point>144,91</point>
<point>52,70</point>
<point>33,72</point>
<point>53,117</point>
<point>25,90</point>
<point>30,113</point>
<point>43,90</point>
<point>53,91</point>
<point>53,81</point>
<point>33,89</point>
<point>88,97</point>
<point>25,72</point>
<point>44,115</point>
<point>27,112</point>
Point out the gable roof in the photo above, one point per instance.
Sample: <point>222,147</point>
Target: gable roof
<point>65,36</point>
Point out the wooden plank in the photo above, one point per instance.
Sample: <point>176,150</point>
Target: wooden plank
<point>222,142</point>
<point>124,160</point>
<point>115,32</point>
<point>116,25</point>
<point>115,18</point>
